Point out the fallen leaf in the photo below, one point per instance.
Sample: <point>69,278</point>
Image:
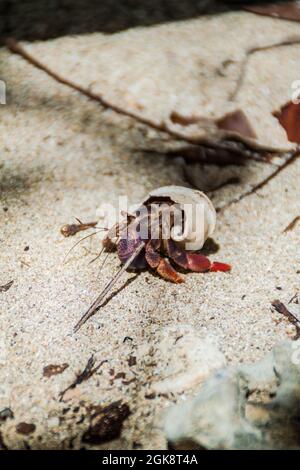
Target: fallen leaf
<point>54,369</point>
<point>108,425</point>
<point>289,118</point>
<point>237,122</point>
<point>282,10</point>
<point>25,428</point>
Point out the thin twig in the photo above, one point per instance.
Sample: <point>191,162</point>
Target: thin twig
<point>292,224</point>
<point>262,183</point>
<point>252,51</point>
<point>294,298</point>
<point>15,47</point>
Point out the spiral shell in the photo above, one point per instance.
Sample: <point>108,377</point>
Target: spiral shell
<point>199,214</point>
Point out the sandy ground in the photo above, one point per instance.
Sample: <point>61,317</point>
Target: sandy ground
<point>62,157</point>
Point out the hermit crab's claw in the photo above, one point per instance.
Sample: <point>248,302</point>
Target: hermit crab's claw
<point>194,261</point>
<point>186,260</point>
<point>198,263</point>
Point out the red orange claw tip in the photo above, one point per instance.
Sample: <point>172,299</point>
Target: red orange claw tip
<point>222,267</point>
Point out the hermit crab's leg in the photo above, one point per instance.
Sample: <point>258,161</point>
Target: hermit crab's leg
<point>151,253</point>
<point>166,271</point>
<point>109,242</point>
<point>117,231</point>
<point>98,256</point>
<point>162,265</point>
<point>79,241</point>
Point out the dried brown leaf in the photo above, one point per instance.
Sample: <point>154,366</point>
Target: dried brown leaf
<point>25,428</point>
<point>54,369</point>
<point>108,425</point>
<point>289,118</point>
<point>237,122</point>
<point>282,10</point>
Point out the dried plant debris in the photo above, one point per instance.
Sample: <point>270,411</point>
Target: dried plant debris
<point>54,369</point>
<point>245,407</point>
<point>5,414</point>
<point>282,10</point>
<point>6,287</point>
<point>293,318</point>
<point>289,118</point>
<point>131,361</point>
<point>25,428</point>
<point>69,230</point>
<point>275,171</point>
<point>238,122</point>
<point>292,224</point>
<point>227,90</point>
<point>89,370</point>
<point>107,424</point>
<point>228,152</point>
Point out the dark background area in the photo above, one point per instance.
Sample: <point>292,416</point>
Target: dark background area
<point>43,19</point>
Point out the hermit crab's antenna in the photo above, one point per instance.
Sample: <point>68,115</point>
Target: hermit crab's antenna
<point>107,288</point>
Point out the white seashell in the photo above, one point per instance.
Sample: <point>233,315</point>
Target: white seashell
<point>199,214</point>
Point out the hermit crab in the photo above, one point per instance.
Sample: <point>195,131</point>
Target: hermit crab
<point>165,233</point>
